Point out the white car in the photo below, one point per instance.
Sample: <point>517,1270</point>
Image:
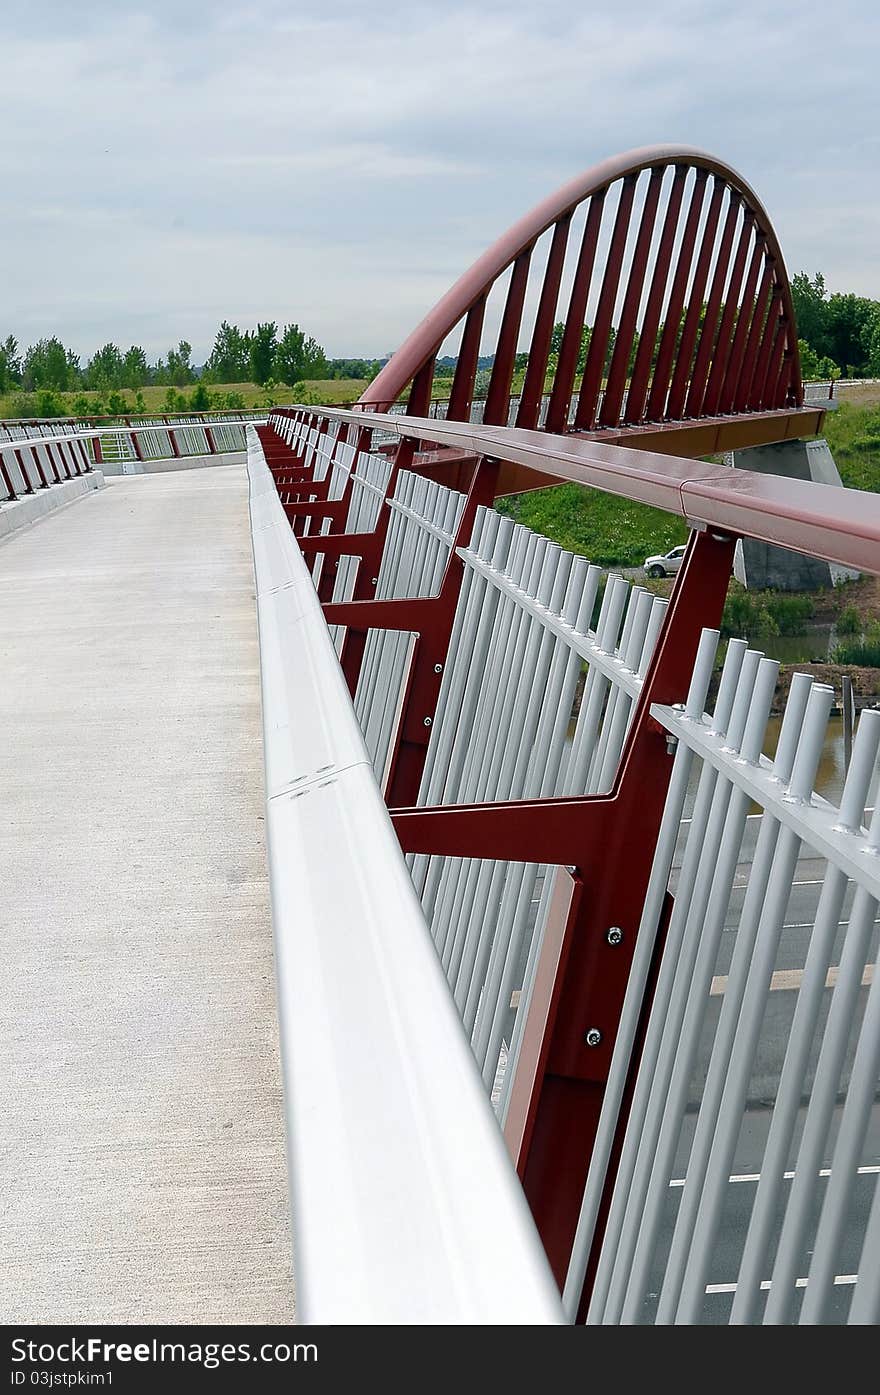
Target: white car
<point>665,565</point>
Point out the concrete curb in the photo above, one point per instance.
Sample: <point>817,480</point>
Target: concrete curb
<point>28,510</point>
<point>173,462</point>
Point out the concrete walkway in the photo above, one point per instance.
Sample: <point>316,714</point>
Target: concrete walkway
<point>142,1174</point>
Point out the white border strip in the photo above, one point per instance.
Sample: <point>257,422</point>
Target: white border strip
<point>405,1205</point>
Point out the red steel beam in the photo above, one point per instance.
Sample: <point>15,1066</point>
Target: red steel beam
<point>7,479</point>
<point>461,397</point>
<point>765,351</point>
<point>685,350</point>
<point>430,619</point>
<point>668,340</point>
<point>745,314</point>
<point>706,345</point>
<point>753,340</point>
<point>734,321</point>
<point>608,842</point>
<point>612,398</point>
<point>635,399</point>
<point>497,406</point>
<point>566,365</point>
<point>539,351</point>
<point>598,350</point>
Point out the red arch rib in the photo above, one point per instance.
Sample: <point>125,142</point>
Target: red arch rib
<point>417,352</point>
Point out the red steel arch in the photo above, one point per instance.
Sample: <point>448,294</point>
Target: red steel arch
<point>693,314</point>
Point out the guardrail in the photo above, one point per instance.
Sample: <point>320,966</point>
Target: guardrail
<point>832,1041</point>
<point>405,1205</point>
<point>36,460</point>
<point>544,849</point>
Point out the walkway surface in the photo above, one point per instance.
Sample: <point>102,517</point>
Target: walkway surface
<point>142,1174</point>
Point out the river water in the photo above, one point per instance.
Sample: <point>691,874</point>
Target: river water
<point>832,766</point>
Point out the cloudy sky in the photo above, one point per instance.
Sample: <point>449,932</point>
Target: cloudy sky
<point>169,164</point>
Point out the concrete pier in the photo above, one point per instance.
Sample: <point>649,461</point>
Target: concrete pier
<point>759,565</point>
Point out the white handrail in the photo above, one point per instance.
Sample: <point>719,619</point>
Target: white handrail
<point>123,430</point>
<point>405,1205</point>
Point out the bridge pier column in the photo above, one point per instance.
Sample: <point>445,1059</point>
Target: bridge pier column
<point>761,566</point>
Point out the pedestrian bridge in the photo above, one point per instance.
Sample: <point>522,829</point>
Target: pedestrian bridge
<point>371,860</point>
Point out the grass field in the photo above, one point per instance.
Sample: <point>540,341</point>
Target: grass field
<point>155,399</point>
<point>853,433</point>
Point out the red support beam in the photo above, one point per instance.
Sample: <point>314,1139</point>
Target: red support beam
<point>529,410</point>
<point>28,487</point>
<point>138,450</point>
<point>753,339</point>
<point>710,326</point>
<point>462,394</point>
<point>497,406</point>
<point>656,410</point>
<point>685,352</point>
<point>566,364</point>
<point>597,353</point>
<point>635,399</point>
<point>7,479</point>
<point>354,641</point>
<point>612,399</point>
<point>172,439</point>
<point>608,841</point>
<point>430,619</point>
<point>765,352</point>
<point>728,355</point>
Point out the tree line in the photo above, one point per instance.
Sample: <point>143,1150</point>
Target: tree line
<point>261,355</point>
<point>839,335</point>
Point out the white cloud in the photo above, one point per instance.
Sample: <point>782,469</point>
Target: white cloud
<point>168,166</point>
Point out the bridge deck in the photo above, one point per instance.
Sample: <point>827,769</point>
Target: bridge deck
<point>143,1175</point>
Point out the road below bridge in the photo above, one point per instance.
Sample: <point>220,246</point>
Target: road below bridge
<point>143,1173</point>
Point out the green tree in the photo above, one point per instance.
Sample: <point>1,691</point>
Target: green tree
<point>200,399</point>
<point>10,363</point>
<point>314,361</point>
<point>814,368</point>
<point>290,355</point>
<point>811,310</point>
<point>872,342</point>
<point>179,367</point>
<point>74,371</point>
<point>229,361</point>
<point>849,326</point>
<point>135,370</point>
<point>105,368</point>
<point>46,366</point>
<point>264,342</point>
<point>270,393</point>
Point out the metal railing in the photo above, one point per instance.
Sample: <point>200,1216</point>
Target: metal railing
<point>37,462</point>
<point>552,727</point>
<point>141,440</point>
<point>667,1243</point>
<point>405,1205</point>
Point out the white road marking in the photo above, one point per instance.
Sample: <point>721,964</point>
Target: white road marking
<point>869,1170</point>
<point>765,1283</point>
